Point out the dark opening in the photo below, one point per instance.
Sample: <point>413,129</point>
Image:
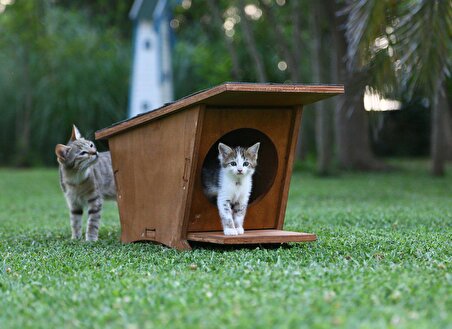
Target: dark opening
<point>267,163</point>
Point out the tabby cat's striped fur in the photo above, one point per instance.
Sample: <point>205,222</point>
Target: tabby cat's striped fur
<point>86,178</point>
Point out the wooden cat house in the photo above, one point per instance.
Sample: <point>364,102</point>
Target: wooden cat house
<point>158,159</point>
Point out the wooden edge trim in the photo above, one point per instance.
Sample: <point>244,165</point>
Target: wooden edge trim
<point>184,102</point>
<point>296,125</point>
<point>286,88</point>
<point>252,237</point>
<point>192,177</point>
<point>205,94</point>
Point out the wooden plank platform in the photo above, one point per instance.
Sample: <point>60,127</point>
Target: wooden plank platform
<point>252,237</point>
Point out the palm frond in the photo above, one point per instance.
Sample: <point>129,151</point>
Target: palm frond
<point>367,21</point>
<point>424,36</point>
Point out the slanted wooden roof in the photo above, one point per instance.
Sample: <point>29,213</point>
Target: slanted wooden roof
<point>232,94</point>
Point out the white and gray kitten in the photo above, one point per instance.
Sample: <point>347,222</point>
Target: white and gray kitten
<point>86,178</point>
<point>231,185</point>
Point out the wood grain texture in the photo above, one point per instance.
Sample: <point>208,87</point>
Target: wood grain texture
<point>277,124</point>
<point>149,163</point>
<point>290,159</point>
<point>191,183</point>
<point>252,237</point>
<point>234,94</point>
<point>158,159</point>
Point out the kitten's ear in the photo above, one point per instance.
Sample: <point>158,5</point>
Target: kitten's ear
<point>75,133</point>
<point>224,150</point>
<point>252,150</point>
<point>61,152</point>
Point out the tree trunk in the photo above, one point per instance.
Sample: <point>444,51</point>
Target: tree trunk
<point>282,43</point>
<point>251,44</point>
<point>352,135</point>
<point>23,120</point>
<point>323,140</point>
<point>351,120</point>
<point>236,69</point>
<point>322,122</point>
<point>296,35</point>
<point>303,137</point>
<point>438,139</point>
<point>448,131</point>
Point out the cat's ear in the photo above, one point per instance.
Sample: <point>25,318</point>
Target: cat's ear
<point>75,133</point>
<point>252,150</point>
<point>224,150</point>
<point>61,152</point>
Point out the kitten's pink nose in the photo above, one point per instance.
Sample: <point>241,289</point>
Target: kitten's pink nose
<point>239,171</point>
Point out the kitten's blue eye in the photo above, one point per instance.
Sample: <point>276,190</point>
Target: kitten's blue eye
<point>246,164</point>
<point>233,163</point>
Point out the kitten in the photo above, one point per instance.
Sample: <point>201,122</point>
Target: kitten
<point>86,178</point>
<point>231,185</point>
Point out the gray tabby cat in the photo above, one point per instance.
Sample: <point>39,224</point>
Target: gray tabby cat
<point>86,178</point>
<point>231,185</point>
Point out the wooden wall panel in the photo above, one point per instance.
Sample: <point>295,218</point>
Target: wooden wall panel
<point>275,123</point>
<point>152,170</point>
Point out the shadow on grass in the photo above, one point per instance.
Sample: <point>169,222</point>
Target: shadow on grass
<point>223,247</point>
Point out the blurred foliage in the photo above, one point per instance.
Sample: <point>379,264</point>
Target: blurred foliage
<point>104,13</point>
<point>378,33</point>
<point>201,55</point>
<point>407,42</point>
<point>60,69</point>
<point>415,37</point>
<point>65,62</point>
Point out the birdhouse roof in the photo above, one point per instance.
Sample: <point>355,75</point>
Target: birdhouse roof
<point>234,95</point>
<point>142,9</point>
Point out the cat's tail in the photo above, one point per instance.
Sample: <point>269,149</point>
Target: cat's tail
<point>211,192</point>
<point>210,184</point>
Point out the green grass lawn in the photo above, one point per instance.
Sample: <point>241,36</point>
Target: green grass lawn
<point>382,260</point>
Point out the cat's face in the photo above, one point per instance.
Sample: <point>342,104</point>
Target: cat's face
<point>238,161</point>
<point>78,154</point>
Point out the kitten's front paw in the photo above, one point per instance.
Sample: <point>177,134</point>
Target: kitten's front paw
<point>91,238</point>
<point>230,231</point>
<point>240,230</point>
<point>76,236</point>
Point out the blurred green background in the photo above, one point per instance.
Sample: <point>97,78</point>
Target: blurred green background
<point>64,62</point>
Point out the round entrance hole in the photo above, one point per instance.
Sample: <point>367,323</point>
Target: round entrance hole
<point>267,162</point>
